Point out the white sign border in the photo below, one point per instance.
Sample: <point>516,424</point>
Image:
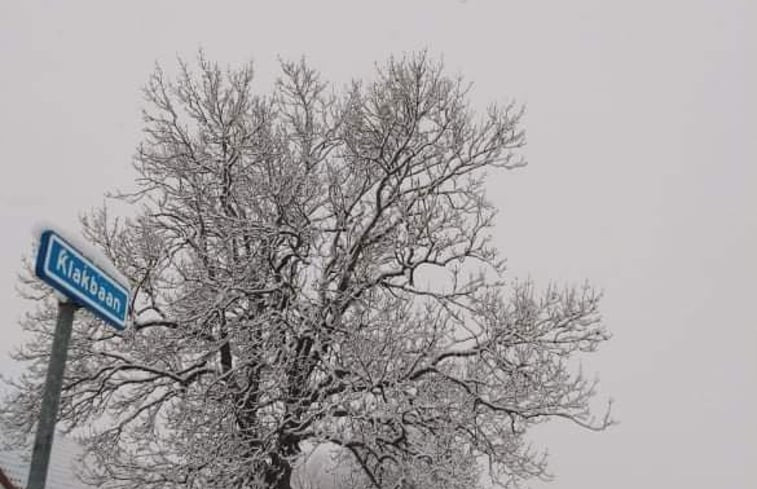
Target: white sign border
<point>79,296</point>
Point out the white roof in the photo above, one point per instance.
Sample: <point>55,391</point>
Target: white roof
<point>61,473</point>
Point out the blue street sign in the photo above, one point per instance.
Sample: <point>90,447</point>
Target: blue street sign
<point>67,270</point>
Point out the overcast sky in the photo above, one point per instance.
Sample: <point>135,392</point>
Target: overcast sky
<point>642,177</point>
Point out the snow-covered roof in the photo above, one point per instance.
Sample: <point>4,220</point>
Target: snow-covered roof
<point>61,473</point>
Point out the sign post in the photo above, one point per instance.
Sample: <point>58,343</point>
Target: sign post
<point>84,284</point>
<point>43,441</point>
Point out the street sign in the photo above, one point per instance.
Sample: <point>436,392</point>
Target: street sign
<point>67,270</point>
<point>87,283</point>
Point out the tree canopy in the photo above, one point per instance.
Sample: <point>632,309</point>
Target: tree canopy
<point>315,266</point>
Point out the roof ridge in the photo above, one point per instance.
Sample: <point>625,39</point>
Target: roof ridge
<point>5,481</point>
<point>62,470</point>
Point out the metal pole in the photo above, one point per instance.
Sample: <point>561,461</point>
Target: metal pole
<point>43,441</point>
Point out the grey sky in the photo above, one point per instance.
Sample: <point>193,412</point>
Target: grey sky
<point>642,177</point>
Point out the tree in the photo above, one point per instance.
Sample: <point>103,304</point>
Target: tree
<point>313,267</point>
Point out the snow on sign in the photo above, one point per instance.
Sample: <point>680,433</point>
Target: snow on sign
<point>67,270</point>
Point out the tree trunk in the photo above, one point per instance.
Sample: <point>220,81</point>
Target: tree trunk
<point>280,473</point>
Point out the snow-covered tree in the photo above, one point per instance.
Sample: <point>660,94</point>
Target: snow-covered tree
<point>314,266</point>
